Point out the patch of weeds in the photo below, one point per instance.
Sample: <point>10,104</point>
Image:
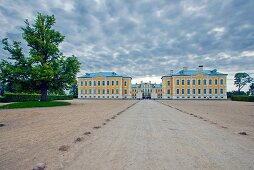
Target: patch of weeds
<point>2,125</point>
<point>104,124</point>
<point>191,114</point>
<point>224,127</point>
<point>195,116</point>
<point>96,127</point>
<point>242,133</point>
<point>87,133</point>
<point>205,120</point>
<point>200,117</point>
<point>64,148</point>
<point>113,117</point>
<point>78,139</point>
<point>107,120</point>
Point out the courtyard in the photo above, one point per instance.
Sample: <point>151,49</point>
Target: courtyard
<point>130,134</point>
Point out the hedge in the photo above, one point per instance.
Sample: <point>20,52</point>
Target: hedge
<point>243,98</point>
<point>22,97</point>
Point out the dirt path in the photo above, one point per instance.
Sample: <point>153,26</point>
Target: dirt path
<point>153,136</point>
<point>34,135</point>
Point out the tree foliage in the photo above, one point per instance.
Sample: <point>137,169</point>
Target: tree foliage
<point>45,68</point>
<point>241,79</point>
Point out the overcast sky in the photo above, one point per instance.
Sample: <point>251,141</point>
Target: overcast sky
<point>145,38</point>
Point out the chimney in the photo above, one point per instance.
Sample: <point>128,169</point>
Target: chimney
<point>171,72</point>
<point>200,68</point>
<point>185,68</point>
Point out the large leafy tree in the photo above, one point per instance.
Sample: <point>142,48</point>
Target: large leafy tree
<point>241,79</point>
<point>45,69</point>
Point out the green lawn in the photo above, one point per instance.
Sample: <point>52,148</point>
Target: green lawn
<point>34,104</point>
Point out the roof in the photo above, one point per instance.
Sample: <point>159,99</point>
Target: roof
<point>134,85</point>
<point>213,72</point>
<point>157,85</point>
<point>103,74</point>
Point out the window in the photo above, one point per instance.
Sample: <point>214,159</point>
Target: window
<point>210,91</point>
<point>221,91</point>
<point>221,81</point>
<point>215,81</point>
<point>182,82</point>
<point>204,81</point>
<point>177,91</point>
<point>85,83</point>
<point>85,91</point>
<point>117,91</point>
<point>188,82</point>
<point>199,91</point>
<point>125,83</point>
<point>90,91</point>
<point>90,83</point>
<point>215,91</point>
<point>81,91</point>
<point>125,91</point>
<point>94,91</point>
<point>99,92</point>
<point>99,83</point>
<point>103,83</point>
<point>193,91</point>
<point>210,82</point>
<point>168,91</point>
<point>112,83</point>
<point>94,83</point>
<point>117,83</point>
<point>107,91</point>
<point>103,91</point>
<point>168,83</point>
<point>193,82</point>
<point>107,83</point>
<point>204,91</point>
<point>177,82</point>
<point>182,91</point>
<point>199,82</point>
<point>81,83</point>
<point>188,91</point>
<point>112,91</point>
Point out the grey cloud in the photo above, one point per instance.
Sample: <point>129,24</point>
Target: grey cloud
<point>144,37</point>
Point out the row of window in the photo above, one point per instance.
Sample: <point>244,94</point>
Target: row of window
<point>85,83</point>
<point>210,82</point>
<point>90,91</point>
<point>199,91</point>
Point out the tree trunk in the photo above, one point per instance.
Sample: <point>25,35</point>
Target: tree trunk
<point>239,89</point>
<point>44,90</point>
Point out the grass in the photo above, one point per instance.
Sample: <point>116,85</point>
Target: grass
<point>34,104</point>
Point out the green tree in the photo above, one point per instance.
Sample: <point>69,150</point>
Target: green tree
<point>74,91</point>
<point>241,79</point>
<point>46,69</point>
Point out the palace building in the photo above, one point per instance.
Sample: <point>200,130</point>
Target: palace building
<point>194,84</point>
<point>184,84</point>
<point>104,85</point>
<point>146,91</point>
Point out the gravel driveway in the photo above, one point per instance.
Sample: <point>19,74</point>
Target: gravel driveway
<point>153,136</point>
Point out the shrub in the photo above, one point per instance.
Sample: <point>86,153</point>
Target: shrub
<point>22,97</point>
<point>243,98</point>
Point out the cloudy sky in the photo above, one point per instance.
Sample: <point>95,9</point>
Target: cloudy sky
<point>145,38</point>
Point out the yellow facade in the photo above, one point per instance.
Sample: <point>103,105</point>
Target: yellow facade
<point>195,84</point>
<point>104,85</point>
<point>185,84</point>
